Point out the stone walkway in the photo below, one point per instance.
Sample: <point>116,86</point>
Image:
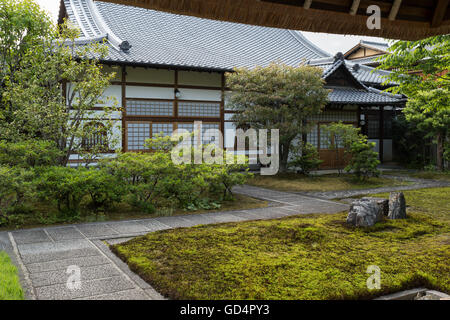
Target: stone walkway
<point>43,255</point>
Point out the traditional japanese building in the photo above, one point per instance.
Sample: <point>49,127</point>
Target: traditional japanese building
<point>170,71</point>
<point>367,53</point>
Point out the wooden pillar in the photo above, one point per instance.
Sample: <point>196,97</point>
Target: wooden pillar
<point>381,135</point>
<point>123,83</point>
<point>222,112</point>
<point>175,101</point>
<point>358,117</point>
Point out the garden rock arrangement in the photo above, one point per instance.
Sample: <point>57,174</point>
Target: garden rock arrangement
<point>364,213</point>
<point>397,206</point>
<point>367,211</point>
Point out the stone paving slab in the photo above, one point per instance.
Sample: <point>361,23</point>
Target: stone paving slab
<point>223,217</point>
<point>31,236</point>
<point>174,222</point>
<point>64,264</point>
<point>96,230</point>
<point>53,277</point>
<point>39,252</point>
<point>128,227</point>
<point>132,294</point>
<point>64,233</point>
<point>153,225</point>
<point>88,288</point>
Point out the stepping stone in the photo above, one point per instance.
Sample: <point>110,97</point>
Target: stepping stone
<point>88,288</point>
<point>127,227</point>
<point>48,278</point>
<point>30,236</point>
<point>64,264</point>
<point>64,233</point>
<point>96,230</point>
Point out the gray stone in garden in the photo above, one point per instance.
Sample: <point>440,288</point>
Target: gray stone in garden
<point>382,202</point>
<point>364,213</point>
<point>397,206</point>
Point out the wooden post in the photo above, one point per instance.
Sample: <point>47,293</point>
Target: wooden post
<point>222,112</point>
<point>175,101</point>
<point>124,107</point>
<point>381,135</point>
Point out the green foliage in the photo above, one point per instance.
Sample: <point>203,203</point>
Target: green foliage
<point>413,149</point>
<point>303,257</point>
<point>69,186</point>
<point>305,157</point>
<point>34,107</point>
<point>277,97</point>
<point>363,161</point>
<point>29,154</point>
<point>15,187</point>
<point>10,288</point>
<point>23,25</point>
<point>421,70</point>
<point>153,180</point>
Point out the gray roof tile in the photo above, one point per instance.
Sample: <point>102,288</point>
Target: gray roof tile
<point>350,95</point>
<point>160,38</point>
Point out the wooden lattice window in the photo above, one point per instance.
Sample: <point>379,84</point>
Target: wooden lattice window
<point>95,136</point>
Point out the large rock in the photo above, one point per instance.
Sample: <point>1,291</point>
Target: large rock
<point>364,213</point>
<point>397,206</point>
<point>382,202</point>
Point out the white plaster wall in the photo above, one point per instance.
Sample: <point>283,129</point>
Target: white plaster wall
<point>112,97</point>
<point>149,92</point>
<point>198,94</point>
<point>113,69</point>
<point>194,78</point>
<point>144,75</point>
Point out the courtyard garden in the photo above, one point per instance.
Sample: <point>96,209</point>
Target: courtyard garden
<point>301,257</point>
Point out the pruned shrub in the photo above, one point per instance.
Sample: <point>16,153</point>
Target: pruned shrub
<point>305,158</point>
<point>363,160</point>
<point>69,186</point>
<point>15,187</point>
<point>153,180</point>
<point>29,154</point>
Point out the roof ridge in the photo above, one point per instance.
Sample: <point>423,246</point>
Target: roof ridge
<point>304,41</point>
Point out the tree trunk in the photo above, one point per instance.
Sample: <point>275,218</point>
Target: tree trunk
<point>440,152</point>
<point>284,156</point>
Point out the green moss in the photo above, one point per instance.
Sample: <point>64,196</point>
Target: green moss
<point>10,288</point>
<point>304,257</point>
<point>330,182</point>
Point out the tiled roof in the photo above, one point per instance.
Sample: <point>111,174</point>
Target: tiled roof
<point>356,96</point>
<point>360,93</point>
<point>159,38</point>
<point>382,46</point>
<point>366,60</point>
<point>367,75</point>
<point>153,38</point>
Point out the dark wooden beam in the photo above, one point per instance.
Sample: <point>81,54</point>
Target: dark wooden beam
<point>381,135</point>
<point>355,6</point>
<point>123,81</point>
<point>307,4</point>
<point>394,10</point>
<point>439,13</point>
